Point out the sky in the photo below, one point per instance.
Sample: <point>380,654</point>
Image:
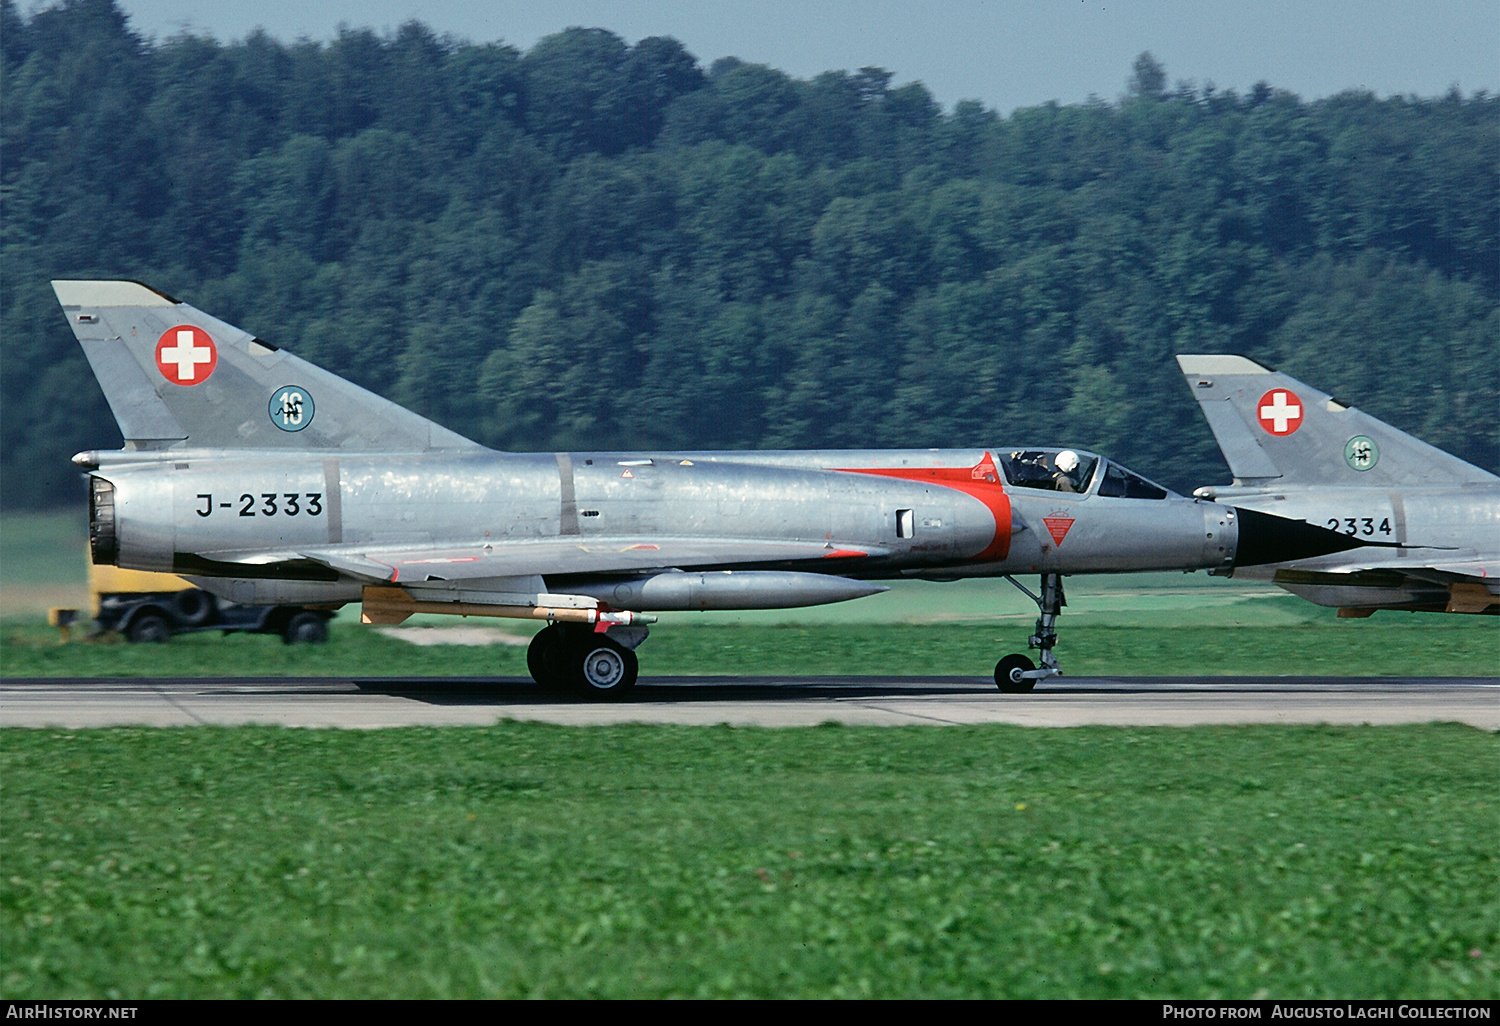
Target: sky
<point>1004,53</point>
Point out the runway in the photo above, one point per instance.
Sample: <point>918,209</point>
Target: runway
<point>750,701</point>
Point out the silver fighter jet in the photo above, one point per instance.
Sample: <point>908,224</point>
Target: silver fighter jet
<point>265,479</point>
<point>1298,453</point>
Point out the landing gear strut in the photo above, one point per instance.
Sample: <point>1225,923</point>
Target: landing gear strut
<point>579,659</point>
<point>1017,673</point>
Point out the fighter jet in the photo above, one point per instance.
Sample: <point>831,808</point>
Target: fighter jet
<point>1298,453</point>
<point>265,479</point>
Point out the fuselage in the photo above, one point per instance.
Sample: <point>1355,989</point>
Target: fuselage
<point>1424,521</point>
<point>1429,537</point>
<point>876,514</point>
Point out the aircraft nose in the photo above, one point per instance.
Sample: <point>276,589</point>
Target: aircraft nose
<point>1266,538</point>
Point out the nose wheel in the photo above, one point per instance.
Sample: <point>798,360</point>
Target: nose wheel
<point>1010,674</point>
<point>1017,673</point>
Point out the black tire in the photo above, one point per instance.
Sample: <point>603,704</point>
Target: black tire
<point>148,626</point>
<point>1008,674</point>
<point>546,657</point>
<point>193,606</point>
<point>602,669</point>
<point>305,628</point>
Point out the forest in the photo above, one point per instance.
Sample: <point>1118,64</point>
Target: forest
<point>594,244</point>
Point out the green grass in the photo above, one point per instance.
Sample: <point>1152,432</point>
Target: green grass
<point>43,563</point>
<point>46,548</point>
<point>533,860</point>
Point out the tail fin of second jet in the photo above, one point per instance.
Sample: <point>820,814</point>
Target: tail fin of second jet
<point>1273,428</point>
<point>176,377</point>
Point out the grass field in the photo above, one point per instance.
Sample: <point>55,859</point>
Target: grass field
<point>531,860</point>
<point>43,562</point>
<point>1335,648</point>
<point>534,860</point>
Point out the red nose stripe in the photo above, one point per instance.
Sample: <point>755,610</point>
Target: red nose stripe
<point>981,481</point>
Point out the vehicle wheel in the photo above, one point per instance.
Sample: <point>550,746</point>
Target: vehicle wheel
<point>305,629</point>
<point>148,627</point>
<point>602,669</point>
<point>545,657</point>
<point>193,606</point>
<point>1008,674</point>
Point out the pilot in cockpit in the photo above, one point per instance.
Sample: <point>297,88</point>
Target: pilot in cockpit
<point>1068,477</point>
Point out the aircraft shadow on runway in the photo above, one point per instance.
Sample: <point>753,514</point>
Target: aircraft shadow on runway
<point>521,690</point>
<point>677,690</point>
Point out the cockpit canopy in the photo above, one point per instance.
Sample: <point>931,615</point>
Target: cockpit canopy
<point>1076,471</point>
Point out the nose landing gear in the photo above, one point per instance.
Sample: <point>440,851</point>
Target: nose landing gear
<point>1017,673</point>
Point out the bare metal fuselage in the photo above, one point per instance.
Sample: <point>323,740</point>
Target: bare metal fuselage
<point>1437,531</point>
<point>240,524</point>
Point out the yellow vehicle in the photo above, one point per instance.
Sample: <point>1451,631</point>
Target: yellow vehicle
<point>145,606</point>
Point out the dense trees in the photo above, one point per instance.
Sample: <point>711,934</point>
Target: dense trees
<point>599,244</point>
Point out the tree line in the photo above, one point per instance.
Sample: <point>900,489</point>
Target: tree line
<point>604,245</point>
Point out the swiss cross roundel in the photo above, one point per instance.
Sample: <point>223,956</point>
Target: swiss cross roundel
<point>1279,411</point>
<point>185,355</point>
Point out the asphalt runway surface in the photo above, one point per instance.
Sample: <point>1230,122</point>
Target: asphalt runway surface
<point>750,701</point>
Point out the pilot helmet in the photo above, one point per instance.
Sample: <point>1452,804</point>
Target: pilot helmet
<point>1067,461</point>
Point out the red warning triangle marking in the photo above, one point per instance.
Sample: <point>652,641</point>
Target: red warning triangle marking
<point>1058,526</point>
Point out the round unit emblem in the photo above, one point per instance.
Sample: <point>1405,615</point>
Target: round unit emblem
<point>291,408</point>
<point>1361,452</point>
<point>185,355</point>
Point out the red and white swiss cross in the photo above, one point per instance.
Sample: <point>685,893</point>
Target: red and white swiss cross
<point>186,355</point>
<point>1279,412</point>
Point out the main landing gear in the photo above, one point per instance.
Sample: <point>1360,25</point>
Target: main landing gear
<point>1017,673</point>
<point>574,657</point>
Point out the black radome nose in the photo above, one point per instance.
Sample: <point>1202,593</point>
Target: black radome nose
<point>1266,538</point>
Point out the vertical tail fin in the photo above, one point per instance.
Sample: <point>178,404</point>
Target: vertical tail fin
<point>1272,427</point>
<point>176,377</point>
